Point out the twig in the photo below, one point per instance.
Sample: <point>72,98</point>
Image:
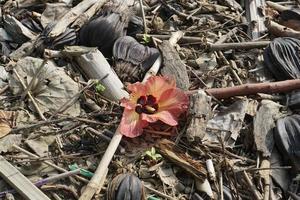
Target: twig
<point>280,30</point>
<point>159,193</point>
<point>241,45</point>
<point>276,6</point>
<point>60,187</point>
<point>2,90</point>
<point>33,80</point>
<point>221,185</point>
<point>47,162</point>
<point>93,185</point>
<point>256,194</point>
<point>38,124</point>
<point>101,135</point>
<point>30,96</point>
<point>143,15</point>
<point>254,88</point>
<point>69,103</point>
<point>232,69</point>
<point>184,39</point>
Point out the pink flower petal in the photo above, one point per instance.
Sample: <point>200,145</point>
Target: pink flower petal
<point>163,116</point>
<point>157,85</point>
<point>137,90</point>
<point>128,103</point>
<point>131,124</point>
<point>174,101</point>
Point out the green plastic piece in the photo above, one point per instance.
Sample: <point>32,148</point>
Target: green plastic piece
<point>83,172</point>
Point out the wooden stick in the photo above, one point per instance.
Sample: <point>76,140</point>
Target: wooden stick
<point>276,6</point>
<point>143,15</point>
<point>159,193</point>
<point>19,182</point>
<point>281,31</point>
<point>253,88</point>
<point>93,185</point>
<point>241,45</point>
<point>71,16</point>
<point>255,192</point>
<point>84,17</point>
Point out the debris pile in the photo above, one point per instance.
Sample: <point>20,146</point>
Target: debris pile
<point>150,99</point>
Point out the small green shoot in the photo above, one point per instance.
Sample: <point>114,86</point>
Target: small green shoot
<point>99,87</point>
<point>146,39</point>
<point>153,155</point>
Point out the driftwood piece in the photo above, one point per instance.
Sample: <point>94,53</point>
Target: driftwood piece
<point>19,182</point>
<point>276,6</point>
<point>257,26</point>
<point>95,66</point>
<point>280,30</point>
<point>84,17</point>
<point>200,111</point>
<point>251,89</point>
<point>173,65</point>
<point>72,15</point>
<point>264,122</point>
<point>241,45</point>
<point>169,149</point>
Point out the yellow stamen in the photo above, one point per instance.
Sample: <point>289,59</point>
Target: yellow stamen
<point>150,109</point>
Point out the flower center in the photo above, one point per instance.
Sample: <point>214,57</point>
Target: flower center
<point>146,104</point>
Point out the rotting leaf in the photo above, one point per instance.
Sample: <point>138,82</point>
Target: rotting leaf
<point>227,123</point>
<point>169,150</point>
<point>52,88</point>
<point>7,119</point>
<point>103,30</point>
<point>6,143</point>
<point>167,176</point>
<point>53,12</point>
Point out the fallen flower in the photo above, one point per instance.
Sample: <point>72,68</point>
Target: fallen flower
<point>156,99</point>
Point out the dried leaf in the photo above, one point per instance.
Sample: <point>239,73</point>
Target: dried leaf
<point>227,123</point>
<point>6,143</point>
<point>53,12</point>
<point>167,175</point>
<point>169,150</point>
<point>52,88</point>
<point>6,122</point>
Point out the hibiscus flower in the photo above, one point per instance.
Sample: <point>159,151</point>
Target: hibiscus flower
<point>156,99</point>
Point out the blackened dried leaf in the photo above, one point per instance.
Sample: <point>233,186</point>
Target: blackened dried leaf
<point>125,187</point>
<point>293,100</point>
<point>290,18</point>
<point>135,26</point>
<point>32,25</point>
<point>128,49</point>
<point>282,58</point>
<point>287,138</point>
<point>65,39</point>
<point>103,30</point>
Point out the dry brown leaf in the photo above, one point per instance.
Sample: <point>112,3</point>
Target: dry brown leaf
<point>6,122</point>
